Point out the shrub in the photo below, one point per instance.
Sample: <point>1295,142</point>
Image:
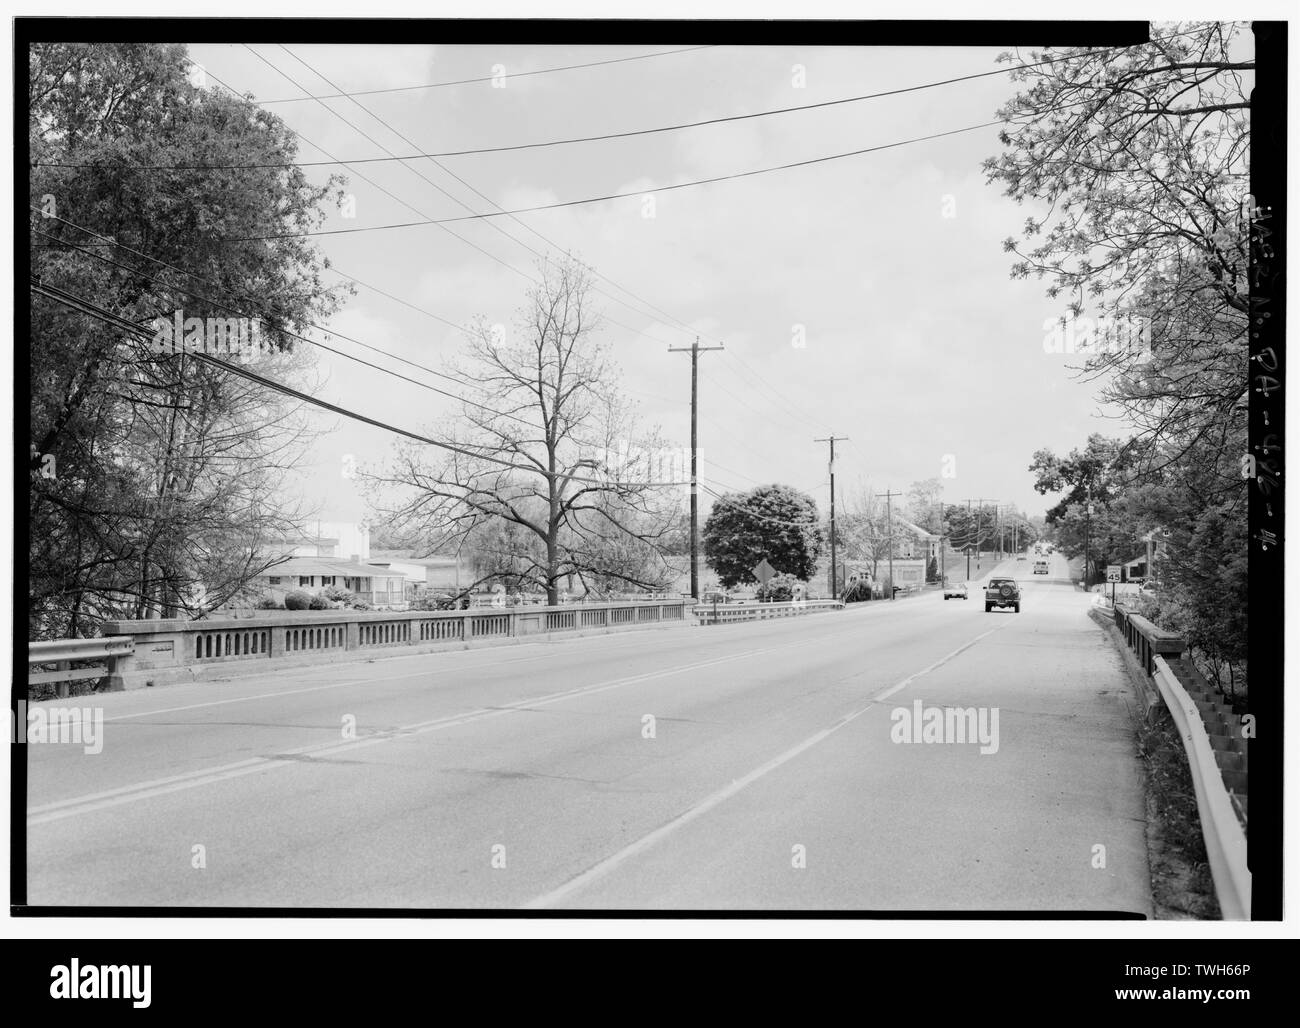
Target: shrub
<point>338,594</point>
<point>297,601</point>
<point>269,604</point>
<point>361,605</point>
<point>780,589</point>
<point>319,602</point>
<point>858,592</point>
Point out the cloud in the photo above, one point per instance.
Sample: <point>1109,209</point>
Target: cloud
<point>887,267</point>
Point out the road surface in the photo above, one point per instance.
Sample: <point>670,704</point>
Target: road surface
<point>735,767</point>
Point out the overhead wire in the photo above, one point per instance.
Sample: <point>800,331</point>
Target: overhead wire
<point>92,309</point>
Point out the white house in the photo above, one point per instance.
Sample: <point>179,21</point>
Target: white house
<point>380,587</point>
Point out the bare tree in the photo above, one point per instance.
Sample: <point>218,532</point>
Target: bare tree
<point>862,528</point>
<point>550,479</point>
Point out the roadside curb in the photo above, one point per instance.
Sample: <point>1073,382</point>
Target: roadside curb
<point>1147,696</point>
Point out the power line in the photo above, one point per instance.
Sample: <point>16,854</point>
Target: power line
<point>454,199</point>
<point>487,199</point>
<point>290,333</point>
<point>618,196</point>
<point>491,78</point>
<point>91,309</point>
<point>676,127</point>
<point>287,332</point>
<point>777,395</point>
<point>256,305</point>
<point>657,189</point>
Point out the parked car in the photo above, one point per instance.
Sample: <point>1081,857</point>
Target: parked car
<point>952,592</point>
<point>1040,567</point>
<point>1002,592</point>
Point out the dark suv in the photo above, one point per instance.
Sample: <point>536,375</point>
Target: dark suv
<point>1002,592</point>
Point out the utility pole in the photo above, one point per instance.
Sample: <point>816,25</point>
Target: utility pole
<point>889,533</point>
<point>968,536</point>
<point>1087,532</point>
<point>835,582</point>
<point>943,545</point>
<point>695,349</point>
<point>978,512</point>
<point>979,515</point>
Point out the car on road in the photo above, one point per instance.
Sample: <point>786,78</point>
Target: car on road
<point>1040,567</point>
<point>1002,592</point>
<point>952,592</point>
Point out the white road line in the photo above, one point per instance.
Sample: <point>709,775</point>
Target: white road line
<point>607,865</point>
<point>92,802</point>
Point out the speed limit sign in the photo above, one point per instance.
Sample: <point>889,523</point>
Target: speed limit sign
<point>1113,572</point>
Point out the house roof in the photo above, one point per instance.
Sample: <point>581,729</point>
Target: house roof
<point>404,557</point>
<point>917,529</point>
<point>327,566</point>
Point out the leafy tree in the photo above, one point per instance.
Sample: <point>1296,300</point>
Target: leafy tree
<point>973,527</point>
<point>773,522</point>
<point>1141,156</point>
<point>1136,161</point>
<point>1101,470</point>
<point>164,492</point>
<point>923,503</point>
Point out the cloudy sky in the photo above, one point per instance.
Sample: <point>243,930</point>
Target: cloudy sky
<point>917,345</point>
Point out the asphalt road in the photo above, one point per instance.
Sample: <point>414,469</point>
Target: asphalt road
<point>531,775</point>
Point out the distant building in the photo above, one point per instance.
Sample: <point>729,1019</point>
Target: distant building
<point>434,574</point>
<point>347,539</point>
<point>331,554</point>
<point>913,541</point>
<point>380,587</point>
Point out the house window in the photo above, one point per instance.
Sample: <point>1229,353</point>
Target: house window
<point>327,580</point>
<point>304,579</point>
<point>275,579</point>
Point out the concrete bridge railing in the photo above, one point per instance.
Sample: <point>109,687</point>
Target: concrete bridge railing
<point>1147,640</point>
<point>159,652</point>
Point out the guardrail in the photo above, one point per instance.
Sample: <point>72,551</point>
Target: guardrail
<point>156,652</point>
<point>726,613</point>
<point>62,652</point>
<point>1225,841</point>
<point>1216,753</point>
